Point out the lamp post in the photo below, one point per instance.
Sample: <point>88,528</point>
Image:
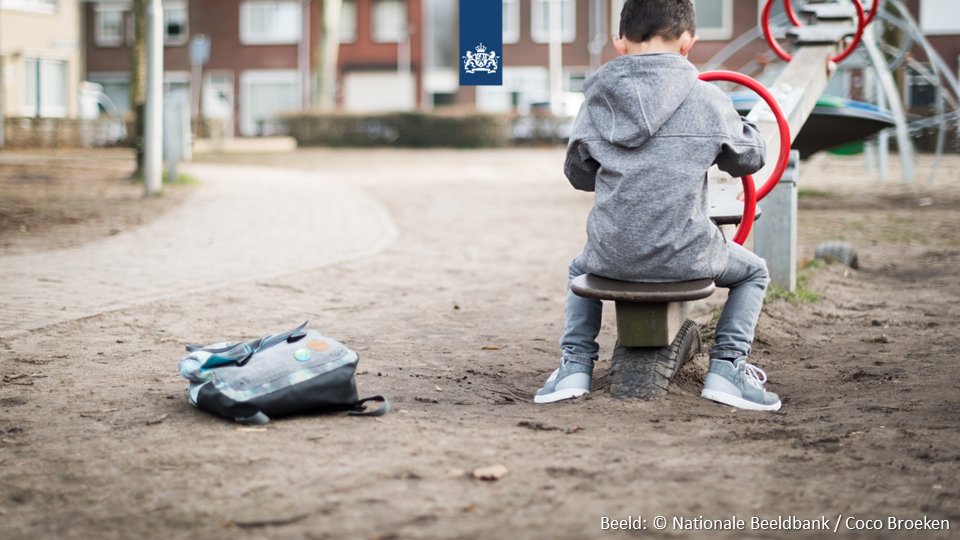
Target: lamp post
<point>153,132</point>
<point>555,22</point>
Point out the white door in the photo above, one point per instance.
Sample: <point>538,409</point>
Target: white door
<point>218,102</point>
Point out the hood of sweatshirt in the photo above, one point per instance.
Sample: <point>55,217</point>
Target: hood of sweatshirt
<point>629,99</point>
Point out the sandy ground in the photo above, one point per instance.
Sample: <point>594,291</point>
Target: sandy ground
<point>456,322</point>
<point>51,201</point>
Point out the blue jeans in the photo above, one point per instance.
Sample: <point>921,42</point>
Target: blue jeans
<point>745,275</point>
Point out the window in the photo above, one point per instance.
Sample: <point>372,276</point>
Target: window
<point>35,6</point>
<point>174,23</point>
<point>523,88</point>
<point>269,23</point>
<point>348,21</point>
<point>714,19</point>
<point>265,94</point>
<point>131,27</point>
<point>540,20</point>
<point>920,93</point>
<point>108,31</point>
<point>511,21</point>
<point>118,92</point>
<point>45,88</point>
<point>939,17</point>
<point>389,21</point>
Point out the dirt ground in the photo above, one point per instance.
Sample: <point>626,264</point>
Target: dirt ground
<point>50,201</point>
<point>457,322</point>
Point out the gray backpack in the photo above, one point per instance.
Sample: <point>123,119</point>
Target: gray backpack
<point>295,372</point>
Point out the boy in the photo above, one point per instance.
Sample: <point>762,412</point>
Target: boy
<point>643,141</point>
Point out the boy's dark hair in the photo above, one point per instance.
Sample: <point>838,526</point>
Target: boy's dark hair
<point>641,20</point>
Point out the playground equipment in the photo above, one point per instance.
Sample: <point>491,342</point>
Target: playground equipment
<point>834,122</point>
<point>878,55</point>
<point>654,337</point>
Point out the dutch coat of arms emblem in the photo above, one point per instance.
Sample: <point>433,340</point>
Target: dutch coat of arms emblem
<point>481,60</point>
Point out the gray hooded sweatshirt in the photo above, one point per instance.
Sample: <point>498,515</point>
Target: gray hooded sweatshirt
<point>643,141</point>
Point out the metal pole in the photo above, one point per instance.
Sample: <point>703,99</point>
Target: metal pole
<point>3,103</point>
<point>888,88</point>
<point>153,138</point>
<point>775,236</point>
<point>556,56</point>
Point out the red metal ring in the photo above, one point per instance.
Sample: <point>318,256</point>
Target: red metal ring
<point>782,125</point>
<point>873,12</point>
<point>862,23</point>
<point>794,20</point>
<point>749,210</point>
<point>788,7</point>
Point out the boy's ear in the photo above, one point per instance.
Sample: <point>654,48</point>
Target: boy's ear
<point>686,43</point>
<point>620,45</point>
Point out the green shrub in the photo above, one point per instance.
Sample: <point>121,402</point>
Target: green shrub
<point>408,130</point>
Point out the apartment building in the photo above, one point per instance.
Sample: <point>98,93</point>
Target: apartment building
<point>404,54</point>
<point>381,57</point>
<point>40,54</point>
<point>258,64</point>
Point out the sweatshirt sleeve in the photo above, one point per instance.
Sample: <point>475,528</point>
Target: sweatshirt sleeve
<point>742,150</point>
<point>580,168</point>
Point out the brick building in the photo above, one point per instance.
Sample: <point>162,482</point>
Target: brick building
<point>404,54</point>
<point>258,65</point>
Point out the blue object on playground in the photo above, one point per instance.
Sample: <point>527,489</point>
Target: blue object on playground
<point>834,121</point>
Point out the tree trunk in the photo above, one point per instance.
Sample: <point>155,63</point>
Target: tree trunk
<point>138,78</point>
<point>328,49</point>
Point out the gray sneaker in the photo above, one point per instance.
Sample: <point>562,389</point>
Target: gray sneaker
<point>740,385</point>
<point>570,380</point>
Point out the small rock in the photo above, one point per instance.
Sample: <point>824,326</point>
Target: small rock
<point>491,473</point>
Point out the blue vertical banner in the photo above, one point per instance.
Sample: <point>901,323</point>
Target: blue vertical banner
<point>481,42</point>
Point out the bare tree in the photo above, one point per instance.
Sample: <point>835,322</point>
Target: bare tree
<point>138,77</point>
<point>328,49</point>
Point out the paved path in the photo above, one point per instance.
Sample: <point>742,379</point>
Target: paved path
<point>243,223</point>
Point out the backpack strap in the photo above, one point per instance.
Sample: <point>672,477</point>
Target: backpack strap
<point>359,409</point>
<point>240,353</point>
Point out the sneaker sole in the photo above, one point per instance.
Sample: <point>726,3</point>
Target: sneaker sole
<point>560,395</point>
<point>739,403</point>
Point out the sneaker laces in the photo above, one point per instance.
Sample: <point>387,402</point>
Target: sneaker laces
<point>754,374</point>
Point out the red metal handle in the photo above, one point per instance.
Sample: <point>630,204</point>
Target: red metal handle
<point>782,125</point>
<point>873,12</point>
<point>788,7</point>
<point>749,210</point>
<point>862,23</point>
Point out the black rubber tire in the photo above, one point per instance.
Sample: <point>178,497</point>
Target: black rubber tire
<point>840,252</point>
<point>645,372</point>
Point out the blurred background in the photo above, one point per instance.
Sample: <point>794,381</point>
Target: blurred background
<point>73,70</point>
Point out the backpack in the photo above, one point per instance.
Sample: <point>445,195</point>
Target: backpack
<point>294,372</point>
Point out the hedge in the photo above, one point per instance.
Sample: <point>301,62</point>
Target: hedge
<point>408,129</point>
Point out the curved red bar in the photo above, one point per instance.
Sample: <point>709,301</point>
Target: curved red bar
<point>788,7</point>
<point>749,210</point>
<point>792,15</point>
<point>782,125</point>
<point>862,23</point>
